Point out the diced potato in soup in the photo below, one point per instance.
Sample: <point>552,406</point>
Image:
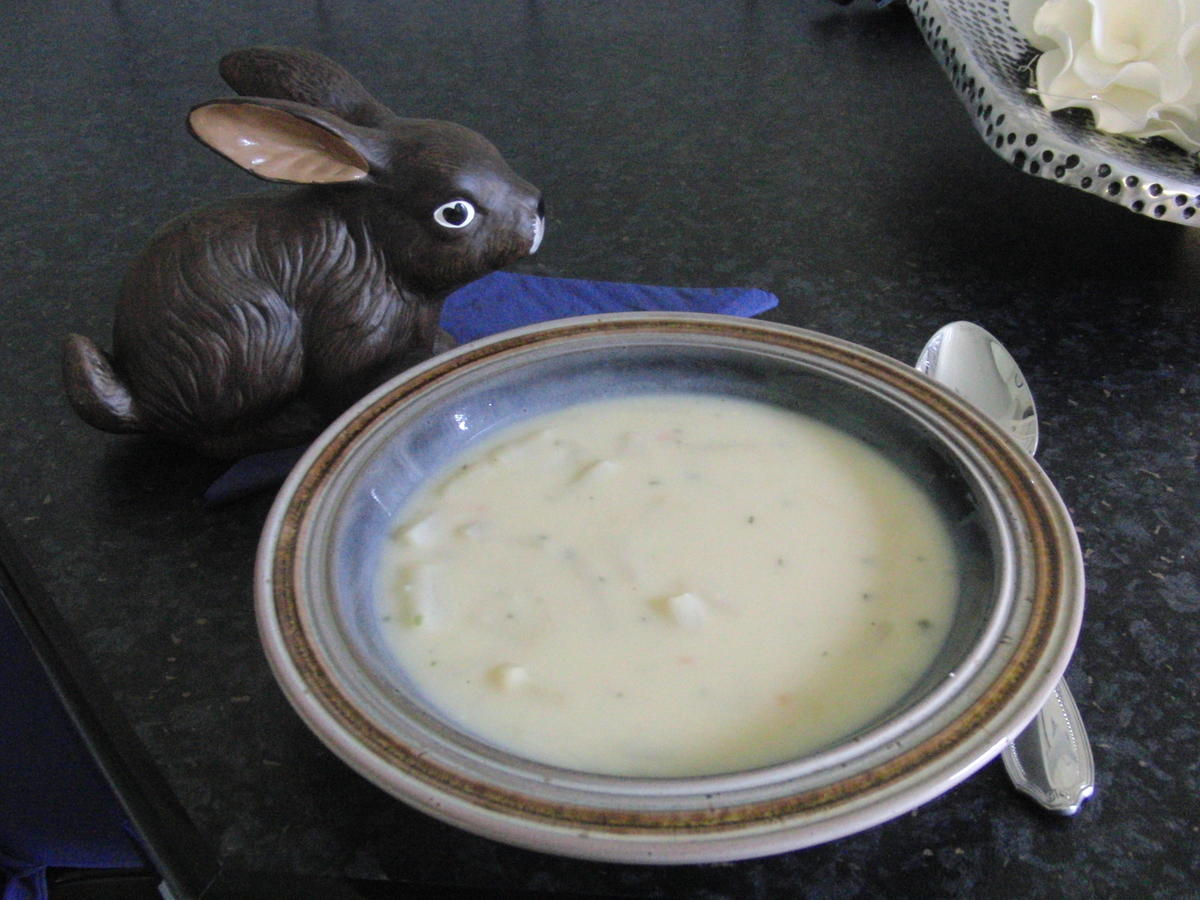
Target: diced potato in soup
<point>668,585</point>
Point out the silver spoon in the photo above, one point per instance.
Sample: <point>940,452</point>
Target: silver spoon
<point>1051,759</point>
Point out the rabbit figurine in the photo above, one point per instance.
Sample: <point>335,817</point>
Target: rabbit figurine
<point>250,324</point>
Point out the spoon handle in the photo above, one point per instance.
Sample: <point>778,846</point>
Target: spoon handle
<point>1051,759</point>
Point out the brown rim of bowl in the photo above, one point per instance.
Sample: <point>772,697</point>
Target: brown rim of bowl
<point>1008,461</point>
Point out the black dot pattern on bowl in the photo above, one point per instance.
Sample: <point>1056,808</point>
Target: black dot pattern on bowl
<point>990,65</point>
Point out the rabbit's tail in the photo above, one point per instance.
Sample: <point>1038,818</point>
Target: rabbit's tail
<point>94,389</point>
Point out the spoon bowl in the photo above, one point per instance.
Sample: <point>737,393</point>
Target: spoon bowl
<point>972,363</point>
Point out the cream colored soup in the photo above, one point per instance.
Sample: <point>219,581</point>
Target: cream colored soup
<point>668,585</point>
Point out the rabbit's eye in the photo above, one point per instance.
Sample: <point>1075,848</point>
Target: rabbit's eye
<point>455,214</point>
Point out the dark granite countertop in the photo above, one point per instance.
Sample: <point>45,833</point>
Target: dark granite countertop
<point>813,150</point>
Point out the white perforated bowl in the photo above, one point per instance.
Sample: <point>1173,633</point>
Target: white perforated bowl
<point>990,65</point>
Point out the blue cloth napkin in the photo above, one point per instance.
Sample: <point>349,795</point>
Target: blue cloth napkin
<point>504,300</point>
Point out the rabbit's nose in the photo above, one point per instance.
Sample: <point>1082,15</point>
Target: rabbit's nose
<point>539,226</point>
<point>539,231</point>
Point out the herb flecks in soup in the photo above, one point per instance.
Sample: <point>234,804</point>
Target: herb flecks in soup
<point>668,585</point>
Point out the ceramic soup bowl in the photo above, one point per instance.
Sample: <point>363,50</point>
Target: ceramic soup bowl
<point>1016,618</point>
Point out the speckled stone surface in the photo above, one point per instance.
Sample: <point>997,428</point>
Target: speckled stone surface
<point>808,149</point>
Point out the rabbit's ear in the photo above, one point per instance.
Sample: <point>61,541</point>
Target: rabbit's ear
<point>304,76</point>
<point>282,141</point>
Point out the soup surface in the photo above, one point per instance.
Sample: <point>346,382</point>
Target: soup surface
<point>667,585</point>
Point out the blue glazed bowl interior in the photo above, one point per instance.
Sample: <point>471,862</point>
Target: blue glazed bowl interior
<point>422,434</point>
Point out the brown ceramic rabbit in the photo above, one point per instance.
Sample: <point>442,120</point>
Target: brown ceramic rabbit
<point>250,324</point>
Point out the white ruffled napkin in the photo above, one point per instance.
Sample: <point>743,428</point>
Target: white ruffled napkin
<point>1134,63</point>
